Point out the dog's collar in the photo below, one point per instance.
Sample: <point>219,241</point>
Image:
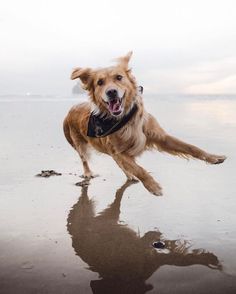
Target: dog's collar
<point>100,126</point>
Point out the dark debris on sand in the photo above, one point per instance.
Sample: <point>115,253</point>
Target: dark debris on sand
<point>159,245</point>
<point>48,173</point>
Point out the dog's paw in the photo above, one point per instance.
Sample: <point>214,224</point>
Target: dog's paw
<point>133,181</point>
<point>131,178</point>
<point>153,187</point>
<point>216,159</point>
<point>89,176</point>
<point>158,193</point>
<point>83,183</point>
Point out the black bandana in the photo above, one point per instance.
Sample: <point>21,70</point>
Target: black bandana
<point>103,126</point>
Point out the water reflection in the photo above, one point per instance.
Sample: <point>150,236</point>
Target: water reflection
<point>123,259</point>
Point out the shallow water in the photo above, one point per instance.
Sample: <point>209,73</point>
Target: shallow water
<point>56,237</point>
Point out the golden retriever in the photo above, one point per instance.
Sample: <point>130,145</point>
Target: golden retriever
<point>115,98</point>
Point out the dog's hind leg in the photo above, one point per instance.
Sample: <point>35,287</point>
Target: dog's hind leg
<point>177,147</point>
<point>159,139</point>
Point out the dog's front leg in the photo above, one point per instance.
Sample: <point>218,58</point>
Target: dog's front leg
<point>129,166</point>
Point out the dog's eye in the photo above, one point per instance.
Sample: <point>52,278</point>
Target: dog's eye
<point>119,77</point>
<point>100,82</point>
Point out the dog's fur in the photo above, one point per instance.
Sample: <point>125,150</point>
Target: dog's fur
<point>142,132</point>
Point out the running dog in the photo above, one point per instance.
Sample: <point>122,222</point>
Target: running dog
<point>116,123</point>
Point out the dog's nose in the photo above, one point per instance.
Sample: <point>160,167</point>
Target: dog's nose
<point>112,93</point>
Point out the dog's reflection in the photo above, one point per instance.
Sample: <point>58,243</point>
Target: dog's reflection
<point>123,259</point>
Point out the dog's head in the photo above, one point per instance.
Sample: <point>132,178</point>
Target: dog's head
<point>112,89</point>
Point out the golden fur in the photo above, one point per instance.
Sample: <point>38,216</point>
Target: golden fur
<point>142,132</point>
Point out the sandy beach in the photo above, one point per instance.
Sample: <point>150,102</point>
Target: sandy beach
<point>56,237</point>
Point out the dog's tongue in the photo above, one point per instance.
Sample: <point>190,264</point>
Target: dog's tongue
<point>114,105</point>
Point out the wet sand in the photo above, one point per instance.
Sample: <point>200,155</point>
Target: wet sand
<point>56,237</point>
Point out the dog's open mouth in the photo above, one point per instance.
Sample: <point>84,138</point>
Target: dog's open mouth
<point>115,106</point>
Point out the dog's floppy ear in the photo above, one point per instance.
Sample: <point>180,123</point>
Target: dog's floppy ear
<point>85,74</point>
<point>124,60</point>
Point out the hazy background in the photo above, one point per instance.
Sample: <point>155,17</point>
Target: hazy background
<point>186,47</point>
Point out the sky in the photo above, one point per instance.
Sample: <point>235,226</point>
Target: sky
<point>179,46</point>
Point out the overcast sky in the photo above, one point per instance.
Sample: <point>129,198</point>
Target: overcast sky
<point>180,46</point>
